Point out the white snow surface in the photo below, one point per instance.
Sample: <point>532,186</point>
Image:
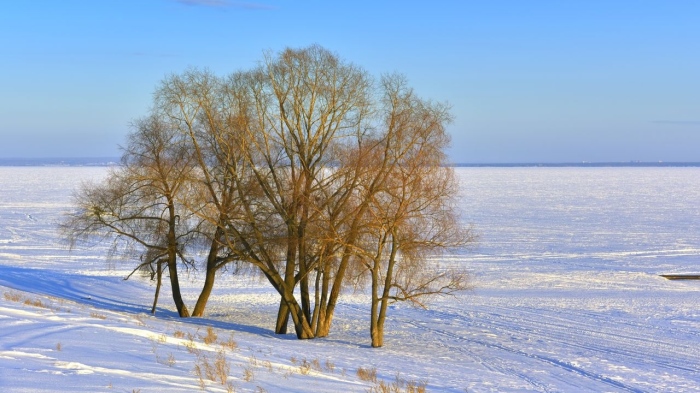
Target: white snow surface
<point>566,298</point>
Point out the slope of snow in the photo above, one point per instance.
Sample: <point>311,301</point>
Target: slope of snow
<point>566,298</point>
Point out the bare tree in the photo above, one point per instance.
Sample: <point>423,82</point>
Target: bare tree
<point>301,169</point>
<point>321,105</point>
<point>136,204</point>
<point>265,142</point>
<point>412,215</point>
<point>296,158</point>
<point>199,106</point>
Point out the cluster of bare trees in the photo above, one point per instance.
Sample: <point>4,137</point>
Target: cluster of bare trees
<point>303,169</point>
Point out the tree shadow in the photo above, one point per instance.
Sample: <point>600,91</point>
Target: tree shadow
<point>80,289</point>
<point>69,286</point>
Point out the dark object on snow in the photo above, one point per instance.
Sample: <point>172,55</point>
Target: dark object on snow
<point>681,276</point>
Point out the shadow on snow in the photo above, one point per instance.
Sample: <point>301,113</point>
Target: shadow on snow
<point>79,289</point>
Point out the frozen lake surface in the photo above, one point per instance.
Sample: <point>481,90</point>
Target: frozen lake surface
<point>567,297</point>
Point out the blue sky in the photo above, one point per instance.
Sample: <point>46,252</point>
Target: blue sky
<point>528,81</point>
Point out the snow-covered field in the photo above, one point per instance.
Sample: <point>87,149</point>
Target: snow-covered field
<point>566,298</point>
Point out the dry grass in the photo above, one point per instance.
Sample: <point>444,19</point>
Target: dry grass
<point>399,385</point>
<point>35,303</point>
<point>210,337</point>
<point>98,316</point>
<point>169,361</point>
<point>268,365</point>
<point>191,345</point>
<point>330,366</point>
<point>222,367</point>
<point>248,374</point>
<point>216,370</point>
<point>304,367</point>
<point>230,344</point>
<point>253,360</point>
<point>13,297</point>
<point>17,297</point>
<point>367,374</point>
<point>59,347</point>
<point>179,334</point>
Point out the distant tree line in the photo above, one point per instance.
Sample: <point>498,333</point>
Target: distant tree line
<point>303,169</point>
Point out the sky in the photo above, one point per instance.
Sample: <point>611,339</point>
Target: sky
<point>528,81</point>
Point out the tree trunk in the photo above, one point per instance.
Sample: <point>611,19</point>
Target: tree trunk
<point>177,295</point>
<point>203,298</point>
<point>301,324</point>
<point>375,331</point>
<point>322,321</point>
<point>290,308</point>
<point>317,300</point>
<point>159,280</point>
<point>304,286</point>
<point>326,314</point>
<point>383,302</point>
<point>329,309</point>
<point>172,263</point>
<point>289,281</point>
<point>302,257</point>
<point>282,317</point>
<point>210,276</point>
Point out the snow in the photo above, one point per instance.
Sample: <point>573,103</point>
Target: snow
<point>567,297</point>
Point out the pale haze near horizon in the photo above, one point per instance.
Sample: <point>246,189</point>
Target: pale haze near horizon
<point>537,81</point>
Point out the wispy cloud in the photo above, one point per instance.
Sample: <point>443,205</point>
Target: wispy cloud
<point>678,122</point>
<point>225,4</point>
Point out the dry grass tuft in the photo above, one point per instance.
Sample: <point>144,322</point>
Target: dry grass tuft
<point>230,344</point>
<point>268,365</point>
<point>35,303</point>
<point>248,374</point>
<point>253,360</point>
<point>13,297</point>
<point>169,361</point>
<point>304,367</point>
<point>215,371</point>
<point>211,336</point>
<point>399,385</point>
<point>330,366</point>
<point>191,345</point>
<point>367,374</point>
<point>98,316</point>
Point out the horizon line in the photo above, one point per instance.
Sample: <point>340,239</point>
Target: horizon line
<point>113,160</point>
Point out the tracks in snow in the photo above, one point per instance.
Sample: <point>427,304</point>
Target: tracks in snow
<point>564,349</point>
